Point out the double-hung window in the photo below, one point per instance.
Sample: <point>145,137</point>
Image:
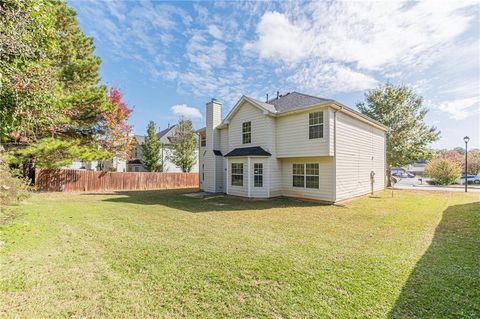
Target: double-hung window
<point>298,175</point>
<point>306,175</point>
<point>312,176</point>
<point>258,175</point>
<point>315,125</point>
<point>203,140</point>
<point>237,174</point>
<point>246,132</point>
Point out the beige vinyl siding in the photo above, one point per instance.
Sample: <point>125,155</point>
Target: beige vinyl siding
<point>292,138</point>
<point>223,147</point>
<point>275,176</point>
<point>360,150</point>
<point>331,131</point>
<point>221,161</point>
<point>213,118</point>
<point>208,159</point>
<point>261,128</point>
<point>325,192</point>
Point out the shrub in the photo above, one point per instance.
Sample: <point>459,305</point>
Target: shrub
<point>443,171</point>
<point>12,189</point>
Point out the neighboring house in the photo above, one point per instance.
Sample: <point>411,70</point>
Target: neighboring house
<point>136,163</point>
<point>115,165</point>
<point>294,145</point>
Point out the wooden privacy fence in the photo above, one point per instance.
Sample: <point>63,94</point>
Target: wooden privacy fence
<point>70,180</point>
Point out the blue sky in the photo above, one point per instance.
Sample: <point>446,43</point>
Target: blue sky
<point>170,58</point>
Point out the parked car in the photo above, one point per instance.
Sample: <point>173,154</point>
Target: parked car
<point>471,179</point>
<point>403,174</point>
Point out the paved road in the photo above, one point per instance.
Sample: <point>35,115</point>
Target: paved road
<point>414,183</point>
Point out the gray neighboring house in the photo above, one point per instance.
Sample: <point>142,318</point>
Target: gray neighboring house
<point>136,163</point>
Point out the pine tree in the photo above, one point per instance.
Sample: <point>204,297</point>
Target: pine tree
<point>151,149</point>
<point>184,146</point>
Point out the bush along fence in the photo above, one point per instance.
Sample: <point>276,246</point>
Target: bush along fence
<point>90,181</point>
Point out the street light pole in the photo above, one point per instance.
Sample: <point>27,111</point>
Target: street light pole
<point>466,139</point>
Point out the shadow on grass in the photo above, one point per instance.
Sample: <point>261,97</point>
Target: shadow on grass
<point>446,281</point>
<point>215,203</point>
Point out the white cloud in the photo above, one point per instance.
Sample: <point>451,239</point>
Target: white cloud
<point>279,39</point>
<point>459,109</point>
<point>205,55</point>
<point>332,78</point>
<point>215,31</point>
<point>339,45</point>
<point>186,111</point>
<point>370,34</point>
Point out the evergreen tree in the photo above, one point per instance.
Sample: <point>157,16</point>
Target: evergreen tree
<point>184,146</point>
<point>50,95</point>
<point>401,110</point>
<point>151,150</point>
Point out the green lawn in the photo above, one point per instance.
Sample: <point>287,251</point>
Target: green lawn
<point>161,254</point>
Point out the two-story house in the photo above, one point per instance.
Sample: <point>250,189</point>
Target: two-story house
<point>294,145</point>
<point>135,164</point>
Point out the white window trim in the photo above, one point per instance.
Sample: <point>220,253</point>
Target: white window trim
<point>322,124</point>
<point>249,132</point>
<point>243,174</point>
<point>312,175</point>
<point>258,175</point>
<point>305,175</point>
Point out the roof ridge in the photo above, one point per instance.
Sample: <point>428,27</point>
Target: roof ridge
<point>256,100</point>
<point>309,95</point>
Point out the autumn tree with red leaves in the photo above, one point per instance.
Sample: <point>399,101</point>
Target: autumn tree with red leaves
<point>115,134</point>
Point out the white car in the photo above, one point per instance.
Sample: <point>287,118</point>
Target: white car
<point>471,179</point>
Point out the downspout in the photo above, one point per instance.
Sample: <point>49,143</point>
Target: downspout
<point>226,177</point>
<point>200,167</point>
<point>248,176</point>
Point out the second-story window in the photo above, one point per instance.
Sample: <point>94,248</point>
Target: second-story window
<point>203,140</point>
<point>315,125</point>
<point>246,132</point>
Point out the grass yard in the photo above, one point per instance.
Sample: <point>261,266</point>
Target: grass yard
<point>161,254</point>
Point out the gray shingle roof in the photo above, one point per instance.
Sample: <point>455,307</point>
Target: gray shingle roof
<point>248,151</point>
<point>140,139</point>
<point>294,100</point>
<point>268,106</point>
<point>165,131</point>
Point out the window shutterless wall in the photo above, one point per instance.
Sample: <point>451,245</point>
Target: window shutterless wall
<point>293,134</point>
